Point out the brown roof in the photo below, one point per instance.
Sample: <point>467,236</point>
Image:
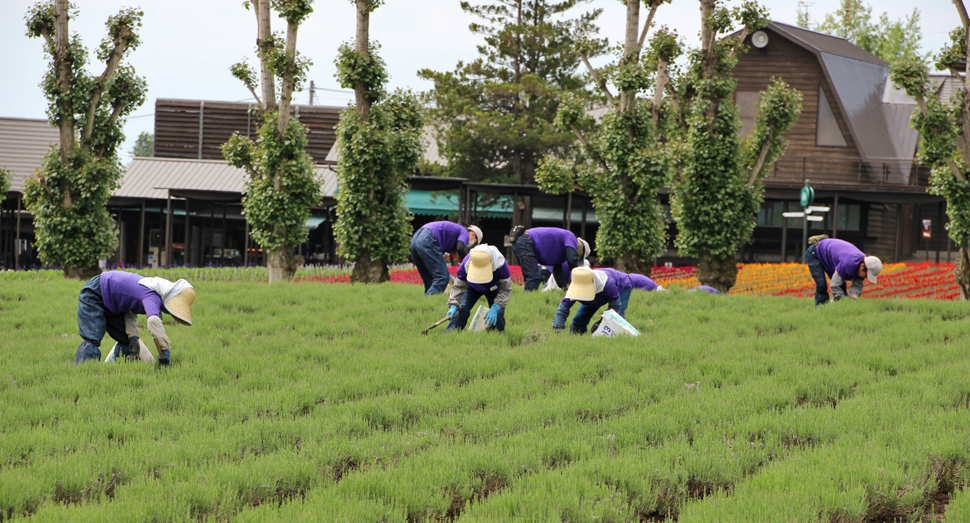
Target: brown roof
<point>23,144</point>
<point>153,177</point>
<point>858,79</point>
<point>179,124</point>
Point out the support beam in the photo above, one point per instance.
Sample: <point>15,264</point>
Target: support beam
<point>141,237</point>
<point>16,247</point>
<point>168,231</point>
<point>835,217</point>
<point>187,246</point>
<point>784,234</point>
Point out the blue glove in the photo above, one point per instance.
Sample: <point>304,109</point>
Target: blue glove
<point>491,317</point>
<point>164,357</point>
<point>452,311</point>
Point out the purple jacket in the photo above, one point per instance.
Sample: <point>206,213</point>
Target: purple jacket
<point>642,283</point>
<point>122,294</point>
<point>448,235</point>
<point>840,256</point>
<point>550,244</point>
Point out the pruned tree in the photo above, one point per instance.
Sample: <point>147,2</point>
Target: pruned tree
<point>379,143</point>
<point>4,182</point>
<point>68,194</point>
<point>717,185</point>
<point>943,125</point>
<point>281,185</point>
<point>623,161</point>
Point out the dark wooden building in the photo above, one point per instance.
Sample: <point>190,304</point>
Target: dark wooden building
<point>852,141</point>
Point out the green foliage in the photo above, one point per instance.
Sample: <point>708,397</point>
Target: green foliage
<point>82,234</point>
<point>732,412</point>
<point>953,54</point>
<point>368,70</point>
<point>939,131</point>
<point>144,145</point>
<point>282,185</point>
<point>4,181</point>
<point>493,116</point>
<point>887,39</point>
<point>717,190</point>
<point>68,194</point>
<point>376,157</point>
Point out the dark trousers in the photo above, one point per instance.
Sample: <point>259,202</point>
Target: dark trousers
<point>532,272</point>
<point>430,262</point>
<point>585,313</point>
<point>94,320</point>
<point>464,312</point>
<point>818,274</point>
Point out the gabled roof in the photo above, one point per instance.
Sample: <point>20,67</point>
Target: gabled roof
<point>153,177</point>
<point>23,144</point>
<point>858,79</point>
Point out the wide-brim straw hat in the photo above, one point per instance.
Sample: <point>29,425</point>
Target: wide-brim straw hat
<point>180,305</point>
<point>479,267</point>
<point>582,287</point>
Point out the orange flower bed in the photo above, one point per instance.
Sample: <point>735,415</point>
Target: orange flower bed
<point>897,280</point>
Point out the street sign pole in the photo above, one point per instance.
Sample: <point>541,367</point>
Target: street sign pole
<point>806,198</point>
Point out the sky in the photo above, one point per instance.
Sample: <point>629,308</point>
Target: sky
<point>188,46</point>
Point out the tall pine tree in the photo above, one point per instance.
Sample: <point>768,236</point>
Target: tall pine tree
<point>494,115</point>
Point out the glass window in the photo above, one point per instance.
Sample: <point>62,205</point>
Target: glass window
<point>827,130</point>
<point>848,219</point>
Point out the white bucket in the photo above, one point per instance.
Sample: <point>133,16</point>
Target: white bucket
<point>477,323</point>
<point>613,324</point>
<point>143,353</point>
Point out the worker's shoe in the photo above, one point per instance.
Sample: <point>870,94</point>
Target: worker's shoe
<point>87,351</point>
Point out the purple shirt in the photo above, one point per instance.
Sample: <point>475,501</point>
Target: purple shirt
<point>493,286</point>
<point>840,256</point>
<point>122,294</point>
<point>550,244</point>
<point>616,283</point>
<point>448,235</point>
<point>642,283</point>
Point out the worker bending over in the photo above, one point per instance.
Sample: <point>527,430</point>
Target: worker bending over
<point>429,245</point>
<point>549,246</point>
<point>111,302</point>
<point>841,261</point>
<point>593,288</point>
<point>643,283</point>
<point>484,272</point>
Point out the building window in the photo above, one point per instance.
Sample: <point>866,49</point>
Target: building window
<point>747,102</point>
<point>848,220</point>
<point>827,132</point>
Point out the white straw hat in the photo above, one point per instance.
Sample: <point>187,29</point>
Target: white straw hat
<point>582,287</point>
<point>180,305</point>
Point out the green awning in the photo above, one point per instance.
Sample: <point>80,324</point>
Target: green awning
<point>439,203</point>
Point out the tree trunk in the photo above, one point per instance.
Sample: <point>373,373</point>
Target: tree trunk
<point>629,263</point>
<point>264,33</point>
<point>961,270</point>
<point>362,48</point>
<point>281,265</point>
<point>369,271</point>
<point>720,273</point>
<point>630,51</point>
<point>83,274</point>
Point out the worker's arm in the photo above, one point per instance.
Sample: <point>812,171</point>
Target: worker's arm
<point>162,343</point>
<point>559,322</point>
<point>573,259</point>
<point>461,249</point>
<point>855,291</point>
<point>131,329</point>
<point>836,286</point>
<point>504,291</point>
<point>457,291</point>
